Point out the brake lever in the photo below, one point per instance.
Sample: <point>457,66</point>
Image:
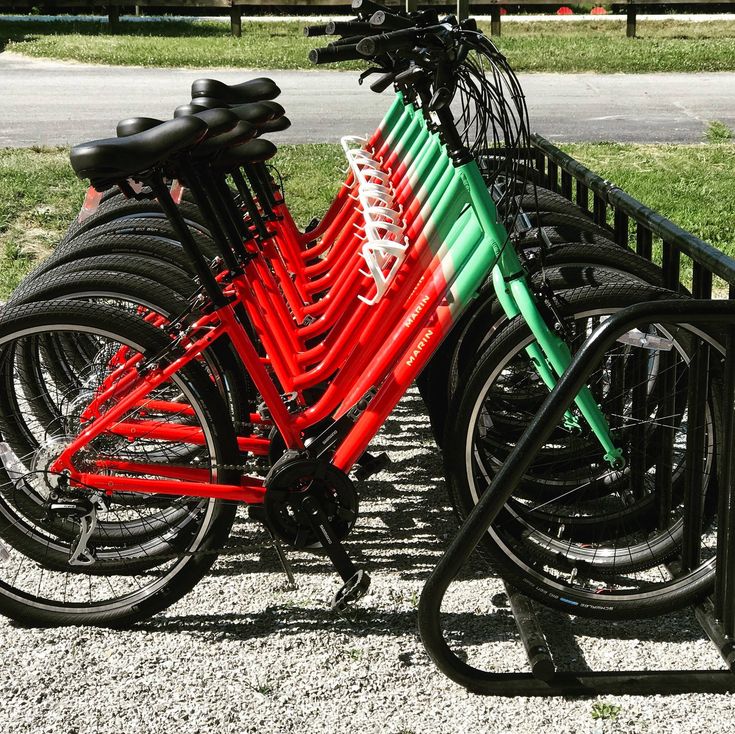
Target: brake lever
<point>443,85</point>
<point>463,51</point>
<point>368,72</point>
<point>380,85</point>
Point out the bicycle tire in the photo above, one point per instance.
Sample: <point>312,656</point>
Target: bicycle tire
<point>170,276</point>
<point>166,250</point>
<point>146,226</point>
<point>523,566</point>
<point>115,205</point>
<point>210,533</point>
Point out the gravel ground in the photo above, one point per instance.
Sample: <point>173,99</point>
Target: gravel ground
<point>241,653</point>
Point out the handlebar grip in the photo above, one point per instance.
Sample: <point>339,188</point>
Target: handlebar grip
<point>352,28</point>
<point>330,54</point>
<point>386,42</point>
<point>312,31</point>
<point>346,41</point>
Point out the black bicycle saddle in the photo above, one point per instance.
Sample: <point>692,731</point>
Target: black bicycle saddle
<point>110,160</point>
<point>254,90</point>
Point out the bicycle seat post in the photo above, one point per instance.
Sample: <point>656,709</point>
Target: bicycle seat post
<point>250,205</point>
<point>198,261</point>
<point>213,221</point>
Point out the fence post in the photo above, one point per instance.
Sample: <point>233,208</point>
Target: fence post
<point>113,15</point>
<point>463,9</point>
<point>412,6</point>
<point>236,20</point>
<point>495,20</point>
<point>630,25</point>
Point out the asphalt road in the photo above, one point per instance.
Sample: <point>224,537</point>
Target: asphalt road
<point>58,103</point>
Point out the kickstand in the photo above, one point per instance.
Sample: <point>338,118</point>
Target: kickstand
<point>285,563</point>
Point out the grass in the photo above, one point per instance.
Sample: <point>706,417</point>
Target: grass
<point>694,185</point>
<point>718,132</point>
<point>40,195</point>
<point>605,711</point>
<point>167,44</point>
<point>550,46</point>
<point>603,47</point>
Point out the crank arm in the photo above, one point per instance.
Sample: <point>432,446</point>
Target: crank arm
<point>356,581</point>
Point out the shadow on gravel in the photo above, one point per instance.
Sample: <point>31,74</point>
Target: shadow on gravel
<point>405,520</point>
<point>405,524</point>
<point>296,620</point>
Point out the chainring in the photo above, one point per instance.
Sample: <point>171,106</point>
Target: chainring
<point>292,479</point>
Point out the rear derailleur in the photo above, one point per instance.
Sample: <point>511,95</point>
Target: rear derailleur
<point>81,509</point>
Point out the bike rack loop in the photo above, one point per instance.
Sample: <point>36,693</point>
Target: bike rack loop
<point>544,681</point>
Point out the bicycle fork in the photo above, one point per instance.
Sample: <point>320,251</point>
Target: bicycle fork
<point>549,353</point>
<point>551,356</point>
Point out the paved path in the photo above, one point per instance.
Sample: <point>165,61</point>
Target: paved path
<point>57,103</point>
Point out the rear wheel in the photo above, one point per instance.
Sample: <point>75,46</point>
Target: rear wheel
<point>146,550</point>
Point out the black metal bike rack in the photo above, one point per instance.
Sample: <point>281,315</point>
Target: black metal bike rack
<point>654,237</point>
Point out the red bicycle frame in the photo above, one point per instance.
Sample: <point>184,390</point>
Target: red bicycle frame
<point>371,352</point>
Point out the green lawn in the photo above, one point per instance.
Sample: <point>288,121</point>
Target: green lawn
<point>694,185</point>
<point>555,46</point>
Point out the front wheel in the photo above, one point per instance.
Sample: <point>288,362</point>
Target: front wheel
<point>577,534</point>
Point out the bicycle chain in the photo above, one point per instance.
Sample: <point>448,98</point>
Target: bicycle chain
<point>222,551</point>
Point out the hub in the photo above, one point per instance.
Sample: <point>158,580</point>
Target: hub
<point>43,457</point>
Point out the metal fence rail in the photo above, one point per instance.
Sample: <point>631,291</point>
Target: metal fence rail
<point>632,220</point>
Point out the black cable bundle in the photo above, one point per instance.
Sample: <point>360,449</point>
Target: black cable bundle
<point>492,120</point>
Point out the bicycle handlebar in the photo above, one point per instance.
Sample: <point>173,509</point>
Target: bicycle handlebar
<point>347,40</point>
<point>367,6</point>
<point>394,40</point>
<point>329,54</point>
<point>348,28</point>
<point>388,21</point>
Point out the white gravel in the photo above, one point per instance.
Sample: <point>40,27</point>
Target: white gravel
<point>242,654</point>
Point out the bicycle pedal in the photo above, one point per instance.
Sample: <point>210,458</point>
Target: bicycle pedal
<point>369,465</point>
<point>352,590</point>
